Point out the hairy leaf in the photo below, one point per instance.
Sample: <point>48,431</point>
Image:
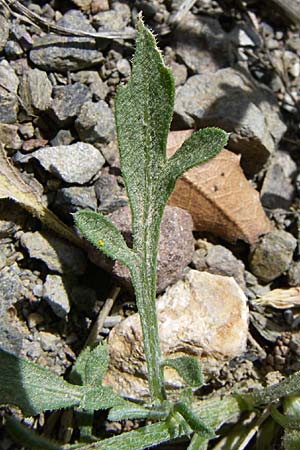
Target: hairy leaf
<point>143,115</point>
<point>27,437</point>
<point>102,397</point>
<point>188,368</point>
<point>90,366</point>
<point>33,388</point>
<point>104,235</point>
<point>198,443</point>
<point>132,411</point>
<point>195,422</point>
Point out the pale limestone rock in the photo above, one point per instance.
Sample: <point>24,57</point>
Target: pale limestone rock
<point>204,315</point>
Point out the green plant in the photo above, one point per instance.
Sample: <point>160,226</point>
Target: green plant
<point>143,115</point>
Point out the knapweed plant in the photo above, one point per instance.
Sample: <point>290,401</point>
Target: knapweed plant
<point>143,116</point>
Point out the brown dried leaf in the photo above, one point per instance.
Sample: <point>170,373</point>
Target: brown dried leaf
<point>13,186</point>
<point>218,196</point>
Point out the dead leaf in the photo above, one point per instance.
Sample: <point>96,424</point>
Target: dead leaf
<point>14,187</point>
<point>280,298</point>
<point>218,196</point>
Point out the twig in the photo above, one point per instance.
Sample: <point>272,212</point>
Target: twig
<point>98,325</point>
<point>35,19</point>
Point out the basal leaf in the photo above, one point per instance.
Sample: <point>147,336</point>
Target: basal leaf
<point>104,235</point>
<point>33,388</point>
<point>143,115</point>
<point>188,368</point>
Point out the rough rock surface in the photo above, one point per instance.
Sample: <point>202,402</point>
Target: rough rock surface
<point>230,100</point>
<point>203,315</point>
<point>75,163</point>
<point>175,247</point>
<point>4,31</point>
<point>9,136</point>
<point>67,102</point>
<point>8,93</point>
<point>55,294</point>
<point>40,89</point>
<point>218,260</point>
<point>59,255</point>
<point>272,256</point>
<point>95,123</point>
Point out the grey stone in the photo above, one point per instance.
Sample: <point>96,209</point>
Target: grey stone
<point>92,79</point>
<point>175,247</point>
<point>109,193</point>
<point>20,33</point>
<point>58,255</point>
<point>8,93</point>
<point>201,44</point>
<point>203,315</point>
<point>230,100</point>
<point>218,260</point>
<point>48,341</point>
<point>124,67</point>
<point>75,163</point>
<point>67,102</point>
<point>4,31</point>
<point>55,294</point>
<point>278,189</point>
<point>63,137</point>
<point>64,53</point>
<point>9,136</point>
<point>40,89</point>
<point>294,274</point>
<point>13,50</point>
<point>115,19</point>
<point>71,199</point>
<point>95,123</point>
<point>272,255</point>
<point>26,130</point>
<point>76,20</point>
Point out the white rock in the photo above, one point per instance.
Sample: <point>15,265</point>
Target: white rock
<point>56,295</point>
<point>203,315</point>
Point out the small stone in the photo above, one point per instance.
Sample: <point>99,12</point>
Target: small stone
<point>99,5</point>
<point>2,259</point>
<point>95,123</point>
<point>179,72</point>
<point>109,193</point>
<point>124,67</point>
<point>56,295</point>
<point>92,79</point>
<point>83,4</point>
<point>9,136</point>
<point>71,199</point>
<point>58,255</point>
<point>48,341</point>
<point>75,163</point>
<point>218,260</point>
<point>40,89</point>
<point>114,19</point>
<point>34,144</point>
<point>8,93</point>
<point>272,255</point>
<point>4,31</point>
<point>278,188</point>
<point>63,137</point>
<point>294,274</point>
<point>26,130</point>
<point>230,100</point>
<point>67,103</point>
<point>203,315</point>
<point>13,50</point>
<point>204,48</point>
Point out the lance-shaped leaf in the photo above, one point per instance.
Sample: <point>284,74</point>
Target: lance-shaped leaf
<point>188,368</point>
<point>132,411</point>
<point>143,115</point>
<point>105,236</point>
<point>33,388</point>
<point>90,366</point>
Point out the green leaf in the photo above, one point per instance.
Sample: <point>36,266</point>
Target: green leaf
<point>188,368</point>
<point>27,437</point>
<point>104,235</point>
<point>200,147</point>
<point>102,397</point>
<point>198,443</point>
<point>91,366</point>
<point>33,388</point>
<point>132,411</point>
<point>196,424</point>
<point>143,116</point>
<point>291,439</point>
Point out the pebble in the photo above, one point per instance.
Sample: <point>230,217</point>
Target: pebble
<point>55,294</point>
<point>63,137</point>
<point>40,89</point>
<point>228,99</point>
<point>59,256</point>
<point>34,319</point>
<point>67,103</point>
<point>114,19</point>
<point>278,188</point>
<point>8,93</point>
<point>110,195</point>
<point>9,136</point>
<point>92,79</point>
<point>75,163</point>
<point>203,315</point>
<point>71,199</point>
<point>4,31</point>
<point>272,255</point>
<point>218,260</point>
<point>95,123</point>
